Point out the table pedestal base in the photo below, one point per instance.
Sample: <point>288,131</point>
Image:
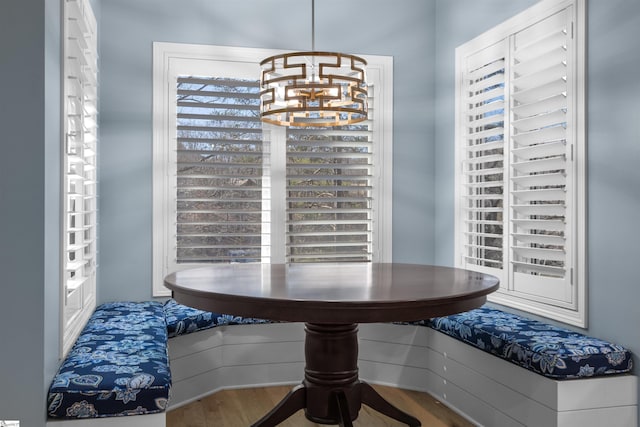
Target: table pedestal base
<point>331,392</point>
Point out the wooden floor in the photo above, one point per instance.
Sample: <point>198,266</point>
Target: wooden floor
<point>239,408</point>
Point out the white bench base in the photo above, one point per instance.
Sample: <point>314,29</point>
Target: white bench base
<point>485,389</point>
<point>234,356</point>
<point>151,420</point>
<point>488,390</point>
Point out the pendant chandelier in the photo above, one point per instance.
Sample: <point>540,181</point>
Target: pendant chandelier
<point>313,88</point>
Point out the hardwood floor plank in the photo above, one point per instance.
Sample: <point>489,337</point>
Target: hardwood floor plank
<point>241,407</point>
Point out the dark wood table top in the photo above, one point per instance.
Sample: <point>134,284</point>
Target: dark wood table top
<point>332,293</point>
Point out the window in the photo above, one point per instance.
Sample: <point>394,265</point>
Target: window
<point>228,188</point>
<point>79,158</point>
<point>520,156</point>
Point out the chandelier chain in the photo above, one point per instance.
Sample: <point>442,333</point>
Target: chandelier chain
<point>313,25</point>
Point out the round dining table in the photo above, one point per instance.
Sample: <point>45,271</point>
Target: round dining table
<point>332,299</point>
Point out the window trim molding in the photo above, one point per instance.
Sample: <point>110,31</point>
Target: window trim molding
<point>71,325</point>
<point>578,316</point>
<point>167,55</point>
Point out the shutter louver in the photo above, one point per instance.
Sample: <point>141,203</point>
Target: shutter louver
<point>484,163</point>
<point>79,167</point>
<point>329,192</point>
<point>220,193</point>
<point>540,162</point>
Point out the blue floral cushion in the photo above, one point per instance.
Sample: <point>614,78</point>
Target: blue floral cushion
<point>118,366</point>
<point>548,350</point>
<point>182,319</point>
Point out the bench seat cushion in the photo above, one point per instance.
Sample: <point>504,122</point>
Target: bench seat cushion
<point>182,319</point>
<point>118,366</point>
<point>542,348</point>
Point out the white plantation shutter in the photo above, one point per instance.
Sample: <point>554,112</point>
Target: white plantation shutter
<point>329,193</point>
<point>220,196</point>
<point>79,168</point>
<point>541,159</point>
<point>228,188</point>
<point>223,181</point>
<point>483,148</point>
<point>520,201</point>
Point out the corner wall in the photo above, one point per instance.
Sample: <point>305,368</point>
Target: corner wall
<point>30,200</point>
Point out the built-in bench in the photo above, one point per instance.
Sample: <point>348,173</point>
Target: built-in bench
<point>182,319</point>
<point>463,371</point>
<point>534,345</point>
<point>119,366</point>
<point>569,379</point>
<point>222,355</point>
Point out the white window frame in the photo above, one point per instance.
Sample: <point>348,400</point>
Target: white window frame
<point>173,59</point>
<point>576,312</point>
<point>79,170</point>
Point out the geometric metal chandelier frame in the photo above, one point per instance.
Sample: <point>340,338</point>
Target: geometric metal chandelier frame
<point>313,88</point>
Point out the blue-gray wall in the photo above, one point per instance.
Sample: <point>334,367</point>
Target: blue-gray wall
<point>127,30</point>
<point>29,205</point>
<point>419,34</point>
<point>614,171</point>
<point>613,141</point>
